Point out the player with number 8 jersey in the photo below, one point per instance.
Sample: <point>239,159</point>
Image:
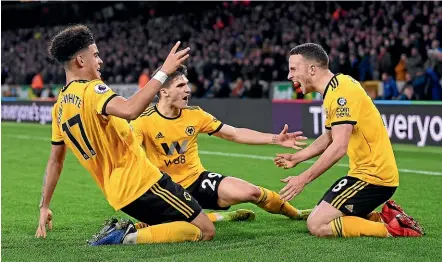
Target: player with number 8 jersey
<point>354,127</point>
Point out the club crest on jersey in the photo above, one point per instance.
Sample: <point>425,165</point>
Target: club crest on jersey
<point>190,130</point>
<point>187,196</point>
<point>101,88</point>
<point>342,101</point>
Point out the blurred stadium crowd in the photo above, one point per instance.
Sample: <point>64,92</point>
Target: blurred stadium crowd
<point>239,47</point>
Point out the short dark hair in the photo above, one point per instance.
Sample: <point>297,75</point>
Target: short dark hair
<point>181,70</point>
<point>312,51</point>
<point>69,41</point>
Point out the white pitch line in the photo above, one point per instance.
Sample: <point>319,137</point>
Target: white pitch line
<point>202,152</point>
<point>237,155</point>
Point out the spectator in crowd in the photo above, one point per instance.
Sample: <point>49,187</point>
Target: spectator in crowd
<point>235,40</point>
<point>37,84</point>
<point>390,87</point>
<point>144,78</point>
<point>408,93</point>
<point>401,71</point>
<point>414,64</point>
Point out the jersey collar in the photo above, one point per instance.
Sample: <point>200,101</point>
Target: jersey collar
<point>169,118</point>
<point>333,83</point>
<point>78,81</point>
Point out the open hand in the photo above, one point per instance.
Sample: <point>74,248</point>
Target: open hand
<point>291,140</point>
<point>285,161</point>
<point>295,185</point>
<point>175,59</point>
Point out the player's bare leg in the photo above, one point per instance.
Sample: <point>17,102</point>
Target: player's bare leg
<point>318,223</point>
<point>205,225</point>
<point>327,221</point>
<point>232,191</point>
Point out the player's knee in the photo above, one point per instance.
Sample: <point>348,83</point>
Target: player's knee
<point>317,228</point>
<point>313,226</point>
<point>208,232</point>
<point>253,193</point>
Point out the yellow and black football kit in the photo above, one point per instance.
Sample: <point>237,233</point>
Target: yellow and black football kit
<point>171,144</point>
<point>373,175</point>
<point>107,148</point>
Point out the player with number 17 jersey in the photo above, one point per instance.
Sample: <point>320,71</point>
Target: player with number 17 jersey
<point>118,166</point>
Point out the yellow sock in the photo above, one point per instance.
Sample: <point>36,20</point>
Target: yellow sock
<point>140,225</point>
<point>375,216</point>
<point>271,202</point>
<point>214,217</point>
<point>350,226</point>
<point>179,231</point>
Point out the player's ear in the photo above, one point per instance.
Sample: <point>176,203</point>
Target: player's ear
<point>163,92</point>
<point>312,70</point>
<point>80,61</point>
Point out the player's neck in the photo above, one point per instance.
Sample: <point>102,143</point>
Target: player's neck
<point>167,110</point>
<point>72,76</point>
<point>322,81</point>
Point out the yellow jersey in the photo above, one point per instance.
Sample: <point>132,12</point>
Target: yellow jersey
<point>171,144</point>
<point>104,145</point>
<point>370,152</point>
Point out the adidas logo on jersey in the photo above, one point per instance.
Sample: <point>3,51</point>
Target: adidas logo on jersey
<point>159,135</point>
<point>349,208</point>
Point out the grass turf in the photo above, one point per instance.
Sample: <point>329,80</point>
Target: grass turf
<point>80,208</point>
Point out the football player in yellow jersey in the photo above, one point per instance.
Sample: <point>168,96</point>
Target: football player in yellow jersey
<point>91,120</point>
<point>169,131</point>
<point>353,126</point>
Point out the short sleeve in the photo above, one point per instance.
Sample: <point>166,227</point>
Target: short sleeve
<point>102,94</point>
<point>56,136</point>
<point>208,123</point>
<point>343,109</point>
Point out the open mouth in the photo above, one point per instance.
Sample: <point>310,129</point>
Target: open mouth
<point>99,71</point>
<point>296,84</point>
<point>186,98</point>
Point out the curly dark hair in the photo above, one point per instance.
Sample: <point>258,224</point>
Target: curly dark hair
<point>69,41</point>
<point>313,52</point>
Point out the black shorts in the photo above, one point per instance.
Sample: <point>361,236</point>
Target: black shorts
<point>164,202</point>
<point>205,190</point>
<point>354,197</point>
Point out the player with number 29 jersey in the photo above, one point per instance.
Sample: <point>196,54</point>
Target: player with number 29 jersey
<point>169,130</point>
<point>172,143</point>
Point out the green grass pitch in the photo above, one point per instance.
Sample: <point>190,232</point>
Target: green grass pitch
<point>80,208</point>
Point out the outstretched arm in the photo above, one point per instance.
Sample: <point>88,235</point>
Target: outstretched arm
<point>50,179</point>
<point>315,149</point>
<point>337,149</point>
<point>131,108</point>
<point>252,137</point>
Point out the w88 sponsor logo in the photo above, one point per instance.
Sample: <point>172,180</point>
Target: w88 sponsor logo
<point>179,160</point>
